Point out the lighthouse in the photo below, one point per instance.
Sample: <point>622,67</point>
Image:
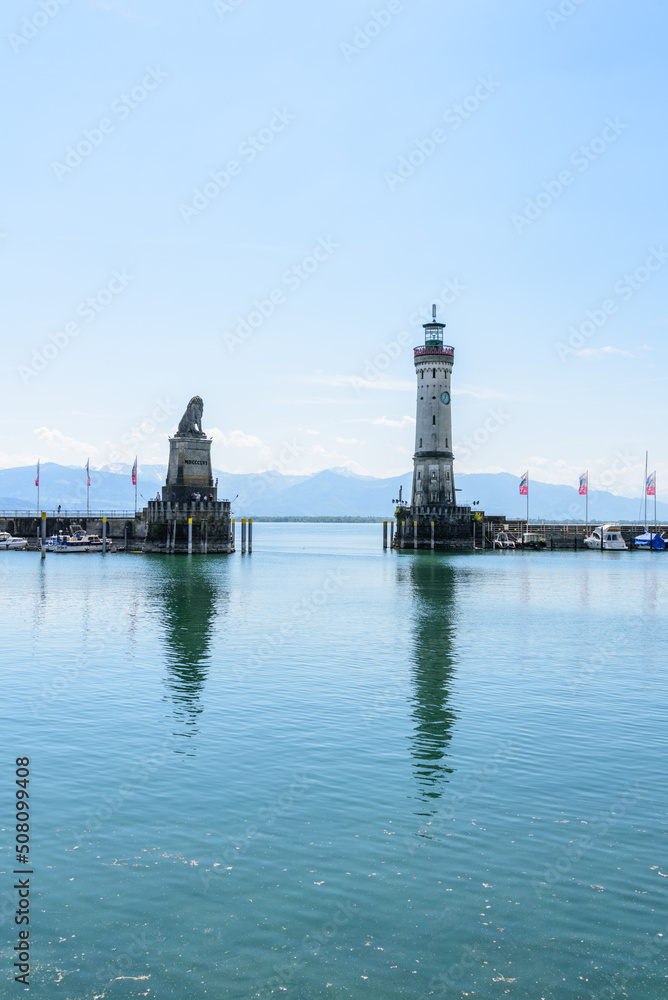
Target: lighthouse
<point>435,520</point>
<point>433,477</point>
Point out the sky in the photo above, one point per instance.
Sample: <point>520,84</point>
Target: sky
<point>258,203</point>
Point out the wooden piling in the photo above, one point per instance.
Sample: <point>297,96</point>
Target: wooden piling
<point>384,534</point>
<point>190,536</point>
<point>250,535</point>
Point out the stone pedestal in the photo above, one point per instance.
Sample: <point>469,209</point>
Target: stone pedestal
<point>189,470</point>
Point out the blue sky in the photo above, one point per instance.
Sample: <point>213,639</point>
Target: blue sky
<point>260,199</point>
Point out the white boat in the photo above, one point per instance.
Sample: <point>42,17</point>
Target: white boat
<point>77,541</point>
<point>8,541</point>
<point>503,541</point>
<point>607,537</point>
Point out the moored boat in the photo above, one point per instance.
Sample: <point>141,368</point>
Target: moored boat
<point>77,541</point>
<point>531,540</point>
<point>650,540</point>
<point>607,537</point>
<point>8,541</point>
<point>503,541</point>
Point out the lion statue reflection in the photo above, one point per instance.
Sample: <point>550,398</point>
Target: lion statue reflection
<point>190,424</point>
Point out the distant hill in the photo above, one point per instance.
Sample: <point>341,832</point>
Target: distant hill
<point>331,493</point>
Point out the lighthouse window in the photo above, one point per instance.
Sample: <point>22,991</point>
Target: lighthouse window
<point>421,374</point>
<point>420,442</point>
<point>434,375</point>
<point>433,419</point>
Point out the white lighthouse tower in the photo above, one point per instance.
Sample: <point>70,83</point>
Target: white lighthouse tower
<point>433,478</point>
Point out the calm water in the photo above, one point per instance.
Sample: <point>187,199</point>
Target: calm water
<point>328,771</point>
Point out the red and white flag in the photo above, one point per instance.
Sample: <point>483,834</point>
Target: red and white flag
<point>88,471</point>
<point>134,473</point>
<point>37,476</point>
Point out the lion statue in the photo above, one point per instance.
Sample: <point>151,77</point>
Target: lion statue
<point>190,424</point>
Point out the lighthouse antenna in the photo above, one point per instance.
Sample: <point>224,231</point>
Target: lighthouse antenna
<point>433,312</point>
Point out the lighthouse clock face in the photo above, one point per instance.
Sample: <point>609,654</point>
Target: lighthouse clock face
<point>445,397</point>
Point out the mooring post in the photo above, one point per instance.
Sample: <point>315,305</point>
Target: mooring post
<point>414,534</point>
<point>432,535</point>
<point>190,535</point>
<point>43,534</point>
<point>234,532</point>
<point>104,536</point>
<point>391,534</point>
<point>384,534</point>
<point>403,533</point>
<point>250,535</point>
<point>483,535</point>
<point>243,535</point>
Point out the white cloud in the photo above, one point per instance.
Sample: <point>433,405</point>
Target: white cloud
<point>388,422</point>
<point>235,439</point>
<point>357,383</point>
<point>53,438</point>
<point>599,352</point>
<point>478,392</point>
<point>341,440</point>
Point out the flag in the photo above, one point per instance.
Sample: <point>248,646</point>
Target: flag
<point>650,486</point>
<point>88,471</point>
<point>524,485</point>
<point>584,484</point>
<point>134,473</point>
<point>37,476</point>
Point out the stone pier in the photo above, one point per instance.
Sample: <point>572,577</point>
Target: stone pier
<point>167,527</point>
<point>453,528</point>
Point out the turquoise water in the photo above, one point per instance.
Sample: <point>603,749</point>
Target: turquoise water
<point>328,771</point>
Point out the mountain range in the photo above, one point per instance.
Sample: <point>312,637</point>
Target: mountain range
<point>330,493</point>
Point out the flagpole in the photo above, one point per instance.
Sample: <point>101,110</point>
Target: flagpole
<point>645,491</point>
<point>527,503</point>
<point>587,504</point>
<point>88,486</point>
<point>37,485</point>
